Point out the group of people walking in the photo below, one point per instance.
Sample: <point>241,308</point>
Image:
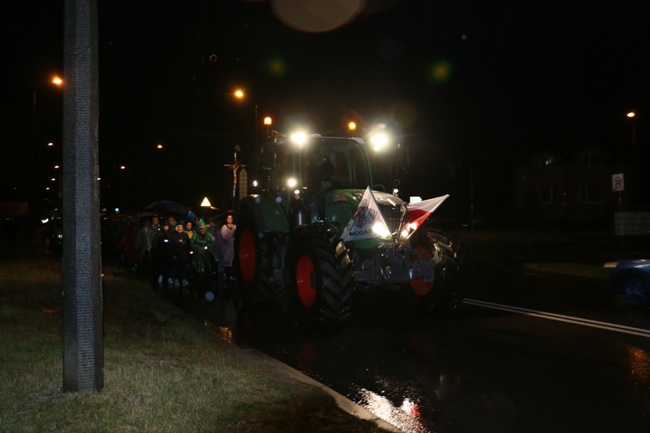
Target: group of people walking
<point>179,252</point>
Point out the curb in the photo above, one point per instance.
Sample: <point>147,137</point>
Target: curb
<point>573,269</point>
<point>341,401</point>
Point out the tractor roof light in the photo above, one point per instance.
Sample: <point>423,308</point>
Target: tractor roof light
<point>298,139</point>
<point>382,138</point>
<point>379,141</point>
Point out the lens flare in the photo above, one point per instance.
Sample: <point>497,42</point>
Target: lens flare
<point>440,71</point>
<point>276,67</point>
<point>314,17</point>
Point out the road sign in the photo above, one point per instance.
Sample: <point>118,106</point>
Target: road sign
<point>618,182</point>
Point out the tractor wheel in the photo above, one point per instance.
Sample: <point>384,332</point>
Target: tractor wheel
<point>252,275</point>
<point>320,278</point>
<point>441,289</point>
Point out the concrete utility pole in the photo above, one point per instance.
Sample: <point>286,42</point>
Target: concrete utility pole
<point>83,346</point>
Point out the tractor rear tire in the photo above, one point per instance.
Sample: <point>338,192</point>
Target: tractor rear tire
<point>319,278</point>
<point>250,261</point>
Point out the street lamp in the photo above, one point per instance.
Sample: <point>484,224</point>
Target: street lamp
<point>632,116</point>
<point>57,82</point>
<point>256,140</point>
<point>240,94</point>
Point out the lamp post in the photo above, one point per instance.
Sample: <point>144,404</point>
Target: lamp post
<point>256,144</point>
<point>57,82</point>
<point>634,165</point>
<point>240,94</point>
<point>632,116</point>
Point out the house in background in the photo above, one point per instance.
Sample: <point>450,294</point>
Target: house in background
<point>584,187</point>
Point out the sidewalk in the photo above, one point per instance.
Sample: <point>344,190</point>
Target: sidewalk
<point>580,253</point>
<point>573,269</point>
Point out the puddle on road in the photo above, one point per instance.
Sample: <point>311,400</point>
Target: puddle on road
<point>414,397</point>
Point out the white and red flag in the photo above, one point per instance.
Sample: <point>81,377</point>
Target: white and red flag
<point>367,222</point>
<point>419,212</point>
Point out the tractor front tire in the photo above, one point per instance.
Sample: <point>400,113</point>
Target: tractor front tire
<point>442,289</point>
<point>319,278</point>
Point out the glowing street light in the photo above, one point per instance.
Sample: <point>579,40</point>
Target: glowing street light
<point>632,116</point>
<point>58,82</point>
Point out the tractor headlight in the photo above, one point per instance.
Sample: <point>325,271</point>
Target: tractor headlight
<point>408,229</point>
<point>381,230</point>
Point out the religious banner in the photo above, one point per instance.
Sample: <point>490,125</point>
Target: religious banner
<point>367,221</point>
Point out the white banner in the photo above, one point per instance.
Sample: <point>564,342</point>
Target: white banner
<point>367,221</point>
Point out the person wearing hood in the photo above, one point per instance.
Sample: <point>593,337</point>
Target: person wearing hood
<point>161,255</point>
<point>202,243</point>
<point>189,228</point>
<point>180,255</point>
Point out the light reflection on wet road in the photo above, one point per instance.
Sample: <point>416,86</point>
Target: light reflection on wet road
<point>482,370</point>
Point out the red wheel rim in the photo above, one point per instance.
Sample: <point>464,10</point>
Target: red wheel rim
<point>304,271</point>
<point>247,256</point>
<point>419,286</point>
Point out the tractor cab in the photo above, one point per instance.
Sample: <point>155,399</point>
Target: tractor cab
<point>311,172</point>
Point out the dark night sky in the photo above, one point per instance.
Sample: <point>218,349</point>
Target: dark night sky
<point>474,84</point>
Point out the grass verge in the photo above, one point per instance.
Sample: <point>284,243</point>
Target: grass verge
<point>164,372</point>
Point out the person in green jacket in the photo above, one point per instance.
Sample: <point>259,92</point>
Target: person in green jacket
<point>202,242</point>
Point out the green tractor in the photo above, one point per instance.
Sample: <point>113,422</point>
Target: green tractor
<point>317,235</point>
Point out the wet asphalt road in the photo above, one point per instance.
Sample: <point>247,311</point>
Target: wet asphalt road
<point>486,369</point>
